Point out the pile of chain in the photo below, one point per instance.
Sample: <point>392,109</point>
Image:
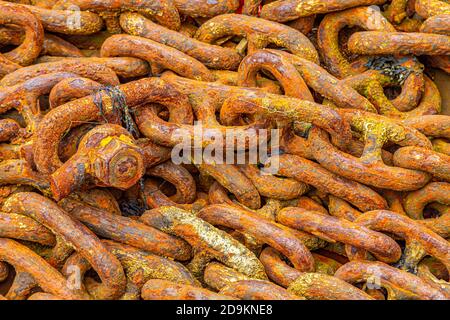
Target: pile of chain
<point>132,137</point>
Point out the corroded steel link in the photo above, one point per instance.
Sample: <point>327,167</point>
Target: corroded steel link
<point>318,286</point>
<point>205,8</point>
<point>313,286</point>
<point>251,7</point>
<point>139,266</point>
<point>263,230</point>
<point>4,271</point>
<point>24,97</point>
<point>69,143</point>
<point>441,146</point>
<point>74,113</point>
<point>273,187</point>
<point>154,197</point>
<point>395,201</point>
<point>168,290</point>
<point>401,43</point>
<point>236,182</point>
<point>309,172</point>
<point>371,85</point>
<point>99,198</point>
<point>220,90</point>
<point>44,296</point>
<point>106,156</point>
<point>369,168</point>
<point>259,34</point>
<point>127,230</point>
<point>31,46</point>
<point>416,201</point>
<point>342,209</point>
<point>22,285</point>
<point>48,278</point>
<point>430,8</point>
<point>7,66</point>
<point>218,276</point>
<point>396,11</point>
<point>153,153</point>
<point>431,125</point>
<point>328,37</point>
<point>124,67</point>
<point>285,108</point>
<point>416,236</point>
<point>308,203</point>
<point>212,56</point>
<point>94,71</point>
<point>337,229</point>
<point>67,21</point>
<point>55,46</point>
<point>9,129</point>
<point>204,237</point>
<point>19,171</point>
<point>427,270</point>
<point>73,232</point>
<point>286,10</point>
<point>283,65</point>
<point>162,11</point>
<point>399,284</point>
<point>435,163</point>
<point>178,130</point>
<point>70,89</point>
<point>441,224</point>
<point>286,74</point>
<point>257,290</point>
<point>17,226</point>
<point>218,195</point>
<point>179,177</point>
<point>439,24</point>
<point>160,56</point>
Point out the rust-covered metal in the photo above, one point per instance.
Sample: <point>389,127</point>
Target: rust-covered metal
<point>77,235</point>
<point>399,284</point>
<point>259,34</point>
<point>212,56</point>
<point>286,10</point>
<point>167,290</point>
<point>203,236</point>
<point>263,230</point>
<point>163,11</point>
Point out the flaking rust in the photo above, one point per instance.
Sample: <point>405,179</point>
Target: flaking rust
<point>224,150</point>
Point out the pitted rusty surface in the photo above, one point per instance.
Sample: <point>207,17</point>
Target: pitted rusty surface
<point>328,37</point>
<point>402,43</point>
<point>399,284</point>
<point>259,33</point>
<point>127,230</point>
<point>268,232</point>
<point>206,8</point>
<point>257,290</point>
<point>439,24</point>
<point>338,229</point>
<point>33,40</point>
<point>416,236</point>
<point>167,290</point>
<point>212,56</point>
<point>430,8</point>
<point>57,20</point>
<point>320,170</point>
<point>77,235</point>
<point>163,11</point>
<point>286,10</point>
<point>160,56</point>
<point>203,236</point>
